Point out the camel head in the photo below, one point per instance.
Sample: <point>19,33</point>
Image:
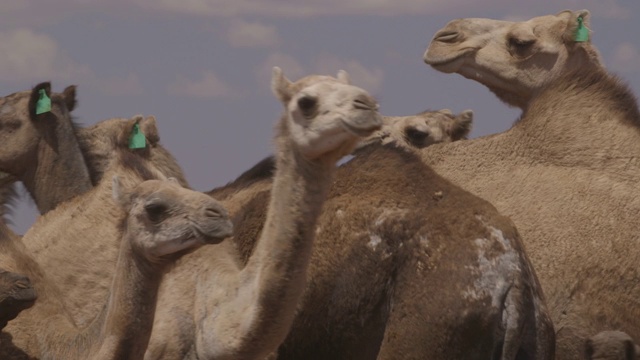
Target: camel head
<point>423,129</point>
<point>325,115</point>
<point>513,59</point>
<point>101,142</point>
<point>16,294</point>
<point>29,117</point>
<point>611,345</point>
<point>432,127</point>
<point>167,220</point>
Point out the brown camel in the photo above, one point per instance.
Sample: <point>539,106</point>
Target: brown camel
<point>55,158</point>
<point>567,171</point>
<point>375,269</point>
<point>241,311</point>
<point>16,294</point>
<point>611,345</point>
<point>46,140</point>
<point>423,129</point>
<point>159,222</point>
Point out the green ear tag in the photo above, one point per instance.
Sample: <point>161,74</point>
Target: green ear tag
<point>137,139</point>
<point>44,103</point>
<point>582,34</point>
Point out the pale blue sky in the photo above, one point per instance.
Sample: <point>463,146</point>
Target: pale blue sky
<point>202,67</point>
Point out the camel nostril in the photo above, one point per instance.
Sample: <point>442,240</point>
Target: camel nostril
<point>447,36</point>
<point>23,284</point>
<point>416,136</point>
<point>213,213</point>
<point>364,103</point>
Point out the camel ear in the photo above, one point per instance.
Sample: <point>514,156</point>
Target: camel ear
<point>577,25</point>
<point>446,111</point>
<point>69,95</point>
<point>462,125</point>
<point>280,85</point>
<point>119,196</point>
<point>343,76</point>
<point>149,127</point>
<point>39,101</point>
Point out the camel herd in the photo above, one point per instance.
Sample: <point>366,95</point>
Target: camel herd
<point>425,245</point>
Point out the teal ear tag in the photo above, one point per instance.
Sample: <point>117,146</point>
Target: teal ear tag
<point>582,34</point>
<point>44,103</point>
<point>137,139</point>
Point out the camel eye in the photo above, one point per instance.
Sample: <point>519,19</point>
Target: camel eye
<point>519,44</point>
<point>307,105</point>
<point>156,211</point>
<point>416,136</point>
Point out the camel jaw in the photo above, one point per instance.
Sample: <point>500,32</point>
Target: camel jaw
<point>215,235</point>
<point>363,129</point>
<point>446,62</point>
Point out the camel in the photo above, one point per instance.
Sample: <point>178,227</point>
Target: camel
<point>566,172</point>
<point>98,142</point>
<point>159,222</point>
<point>46,139</point>
<point>423,129</point>
<point>16,294</point>
<point>57,159</point>
<point>374,270</point>
<point>611,345</point>
<point>242,311</point>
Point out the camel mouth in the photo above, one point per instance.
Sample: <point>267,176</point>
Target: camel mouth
<point>23,299</point>
<point>214,236</point>
<point>364,129</point>
<point>445,61</point>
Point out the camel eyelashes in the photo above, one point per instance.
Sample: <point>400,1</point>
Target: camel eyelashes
<point>416,136</point>
<point>307,104</point>
<point>520,44</point>
<point>156,211</point>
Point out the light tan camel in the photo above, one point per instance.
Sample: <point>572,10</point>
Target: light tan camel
<point>567,172</point>
<point>98,142</point>
<point>611,345</point>
<point>46,140</point>
<point>159,222</point>
<point>423,129</point>
<point>242,312</point>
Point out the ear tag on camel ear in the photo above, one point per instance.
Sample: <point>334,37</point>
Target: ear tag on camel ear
<point>137,139</point>
<point>582,34</point>
<point>44,103</point>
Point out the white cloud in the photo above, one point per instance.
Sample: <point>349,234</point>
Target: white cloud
<point>305,8</point>
<point>626,57</point>
<point>31,56</point>
<point>368,78</point>
<point>209,85</point>
<point>252,34</point>
<point>38,12</point>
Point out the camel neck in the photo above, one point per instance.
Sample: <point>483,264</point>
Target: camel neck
<point>589,121</point>
<point>60,171</point>
<point>128,316</point>
<point>277,269</point>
